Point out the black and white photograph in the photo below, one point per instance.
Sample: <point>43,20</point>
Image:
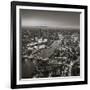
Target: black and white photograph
<point>49,44</point>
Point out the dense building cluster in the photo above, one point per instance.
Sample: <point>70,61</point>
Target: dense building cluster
<point>47,52</point>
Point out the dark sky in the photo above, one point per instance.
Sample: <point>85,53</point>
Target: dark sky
<point>50,18</point>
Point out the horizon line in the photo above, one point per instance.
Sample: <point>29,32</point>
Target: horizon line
<point>52,27</point>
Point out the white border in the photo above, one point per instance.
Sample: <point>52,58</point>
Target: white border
<point>50,80</point>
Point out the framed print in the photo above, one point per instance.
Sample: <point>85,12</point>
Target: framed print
<point>48,44</point>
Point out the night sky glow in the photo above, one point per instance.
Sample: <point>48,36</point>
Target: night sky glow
<point>57,19</point>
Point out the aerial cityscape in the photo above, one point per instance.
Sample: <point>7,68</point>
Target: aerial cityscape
<point>49,43</point>
<point>50,53</point>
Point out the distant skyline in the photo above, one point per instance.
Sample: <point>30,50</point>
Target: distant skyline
<point>57,19</point>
